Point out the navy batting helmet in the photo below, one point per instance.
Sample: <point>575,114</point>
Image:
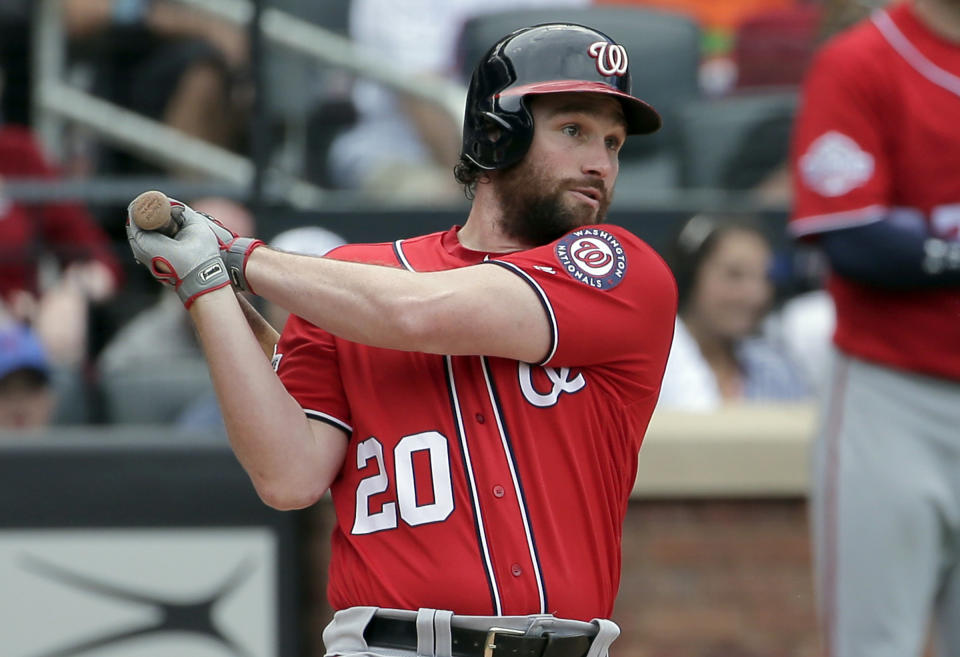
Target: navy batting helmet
<point>543,59</point>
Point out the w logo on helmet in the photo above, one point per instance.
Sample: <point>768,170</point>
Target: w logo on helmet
<point>611,58</point>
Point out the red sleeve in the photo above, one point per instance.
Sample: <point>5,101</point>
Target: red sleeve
<point>306,362</point>
<point>306,357</point>
<point>610,299</point>
<point>67,228</point>
<point>841,173</point>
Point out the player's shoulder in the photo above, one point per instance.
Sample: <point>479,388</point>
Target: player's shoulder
<point>605,255</point>
<point>616,237</point>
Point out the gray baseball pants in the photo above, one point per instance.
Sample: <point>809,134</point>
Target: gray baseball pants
<point>885,512</point>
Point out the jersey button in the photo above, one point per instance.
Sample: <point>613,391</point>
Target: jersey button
<point>480,418</point>
<point>516,570</point>
<point>498,491</point>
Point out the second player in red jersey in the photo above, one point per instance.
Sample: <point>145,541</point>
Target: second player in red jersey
<point>875,160</point>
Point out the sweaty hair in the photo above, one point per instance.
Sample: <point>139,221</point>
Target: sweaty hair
<point>467,174</point>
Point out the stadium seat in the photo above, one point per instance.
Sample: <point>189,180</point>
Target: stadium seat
<point>734,141</point>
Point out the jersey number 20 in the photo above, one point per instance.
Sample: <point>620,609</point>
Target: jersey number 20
<point>435,444</point>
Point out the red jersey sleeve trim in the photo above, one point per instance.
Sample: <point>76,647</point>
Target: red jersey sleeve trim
<point>329,419</point>
<point>401,256</point>
<point>544,301</point>
<point>920,63</point>
<point>822,223</point>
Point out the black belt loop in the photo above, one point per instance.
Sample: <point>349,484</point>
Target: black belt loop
<point>496,642</point>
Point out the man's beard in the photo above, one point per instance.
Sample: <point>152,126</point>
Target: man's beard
<point>533,210</point>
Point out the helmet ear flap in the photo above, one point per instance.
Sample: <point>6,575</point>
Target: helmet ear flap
<point>491,138</point>
<point>499,140</point>
<point>498,133</point>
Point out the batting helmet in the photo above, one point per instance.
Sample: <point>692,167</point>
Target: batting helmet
<point>543,59</point>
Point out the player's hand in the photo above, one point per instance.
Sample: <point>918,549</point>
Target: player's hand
<point>234,250</point>
<point>190,262</point>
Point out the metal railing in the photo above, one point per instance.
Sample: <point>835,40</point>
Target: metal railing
<point>58,102</point>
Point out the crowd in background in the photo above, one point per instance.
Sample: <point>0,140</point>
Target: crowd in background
<point>77,314</point>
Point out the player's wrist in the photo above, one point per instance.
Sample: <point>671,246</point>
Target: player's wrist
<point>206,277</point>
<point>236,254</point>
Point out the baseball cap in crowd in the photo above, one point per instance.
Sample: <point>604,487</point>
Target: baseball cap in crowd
<point>21,350</point>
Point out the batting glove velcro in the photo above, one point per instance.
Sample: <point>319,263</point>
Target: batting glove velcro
<point>235,251</point>
<point>189,262</point>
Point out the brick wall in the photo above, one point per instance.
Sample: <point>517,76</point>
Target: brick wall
<point>716,579</point>
<point>700,579</point>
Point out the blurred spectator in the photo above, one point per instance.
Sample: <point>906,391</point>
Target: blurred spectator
<point>722,267</point>
<point>167,61</point>
<point>27,398</point>
<point>159,58</point>
<point>204,413</point>
<point>54,258</point>
<point>404,148</point>
<point>803,327</point>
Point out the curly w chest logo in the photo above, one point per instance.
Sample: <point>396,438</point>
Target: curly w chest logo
<point>542,386</point>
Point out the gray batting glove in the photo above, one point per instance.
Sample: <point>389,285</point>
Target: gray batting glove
<point>190,262</point>
<point>235,251</point>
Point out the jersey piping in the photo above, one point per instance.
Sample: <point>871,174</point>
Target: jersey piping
<point>899,42</point>
<point>401,256</point>
<point>544,301</point>
<point>329,419</point>
<point>517,485</point>
<point>468,467</point>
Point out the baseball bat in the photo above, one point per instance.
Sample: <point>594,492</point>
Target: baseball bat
<point>152,211</point>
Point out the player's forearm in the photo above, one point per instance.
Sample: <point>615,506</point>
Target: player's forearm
<point>377,306</point>
<point>267,428</point>
<point>469,310</point>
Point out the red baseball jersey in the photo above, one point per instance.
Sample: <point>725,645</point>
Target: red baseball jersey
<point>486,485</point>
<point>878,139</point>
<point>64,229</point>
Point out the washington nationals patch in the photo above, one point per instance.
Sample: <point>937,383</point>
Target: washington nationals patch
<point>594,257</point>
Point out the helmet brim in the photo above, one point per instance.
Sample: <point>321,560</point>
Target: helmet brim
<point>641,118</point>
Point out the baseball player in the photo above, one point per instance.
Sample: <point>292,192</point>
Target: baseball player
<point>474,399</point>
<point>876,161</point>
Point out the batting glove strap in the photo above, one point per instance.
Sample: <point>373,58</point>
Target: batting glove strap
<point>206,277</point>
<point>235,255</point>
